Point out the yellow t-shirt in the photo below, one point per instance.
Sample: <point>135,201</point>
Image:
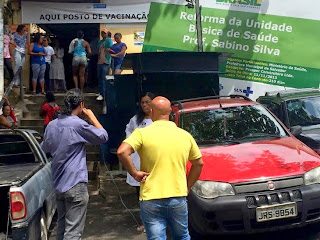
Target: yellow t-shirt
<point>164,150</point>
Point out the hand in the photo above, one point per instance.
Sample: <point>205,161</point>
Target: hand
<point>6,100</point>
<point>41,54</point>
<point>112,55</point>
<point>87,112</point>
<point>141,176</point>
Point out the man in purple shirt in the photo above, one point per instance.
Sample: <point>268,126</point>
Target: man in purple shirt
<point>65,139</point>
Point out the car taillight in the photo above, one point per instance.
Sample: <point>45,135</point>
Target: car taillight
<point>18,206</point>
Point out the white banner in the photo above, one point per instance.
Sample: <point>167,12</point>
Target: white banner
<point>52,13</point>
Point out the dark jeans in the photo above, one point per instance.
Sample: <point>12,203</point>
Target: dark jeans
<point>47,78</point>
<point>103,70</point>
<point>156,215</point>
<point>111,96</point>
<point>72,210</point>
<point>8,64</point>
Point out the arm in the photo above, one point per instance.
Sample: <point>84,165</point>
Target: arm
<point>92,118</point>
<point>32,53</point>
<point>5,122</point>
<point>195,172</point>
<point>124,152</point>
<point>88,49</point>
<point>121,53</point>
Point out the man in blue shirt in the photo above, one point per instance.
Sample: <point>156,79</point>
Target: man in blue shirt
<point>65,139</point>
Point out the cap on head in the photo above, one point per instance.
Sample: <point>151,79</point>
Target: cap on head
<point>105,30</point>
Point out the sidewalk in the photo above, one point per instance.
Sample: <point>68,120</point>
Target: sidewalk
<point>107,218</point>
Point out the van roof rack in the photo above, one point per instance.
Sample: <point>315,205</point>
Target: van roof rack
<point>180,106</point>
<point>291,91</point>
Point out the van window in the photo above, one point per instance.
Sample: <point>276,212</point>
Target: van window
<point>14,149</point>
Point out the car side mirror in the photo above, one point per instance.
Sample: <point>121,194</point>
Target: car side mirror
<point>296,130</point>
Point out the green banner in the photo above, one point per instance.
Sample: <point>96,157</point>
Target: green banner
<point>266,48</point>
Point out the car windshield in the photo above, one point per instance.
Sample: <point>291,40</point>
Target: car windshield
<point>232,125</point>
<point>304,111</point>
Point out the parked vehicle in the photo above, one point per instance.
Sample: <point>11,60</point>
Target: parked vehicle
<point>27,198</point>
<point>299,110</point>
<point>256,177</point>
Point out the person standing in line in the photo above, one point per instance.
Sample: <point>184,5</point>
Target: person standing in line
<point>49,58</point>
<point>48,109</point>
<point>164,150</point>
<point>140,120</point>
<point>81,51</point>
<point>65,139</point>
<point>6,53</point>
<point>20,40</point>
<point>57,68</point>
<point>38,63</point>
<point>118,50</point>
<point>104,62</point>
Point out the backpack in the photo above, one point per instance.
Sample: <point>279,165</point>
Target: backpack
<point>56,112</point>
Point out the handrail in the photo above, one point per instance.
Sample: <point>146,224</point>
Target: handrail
<point>13,81</point>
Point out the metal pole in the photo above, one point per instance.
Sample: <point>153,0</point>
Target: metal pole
<point>199,27</point>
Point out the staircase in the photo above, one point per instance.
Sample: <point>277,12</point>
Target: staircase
<point>30,119</point>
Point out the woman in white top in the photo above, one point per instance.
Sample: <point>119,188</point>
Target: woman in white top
<point>140,120</point>
<point>57,68</point>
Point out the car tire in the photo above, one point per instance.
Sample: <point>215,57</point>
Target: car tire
<point>43,227</point>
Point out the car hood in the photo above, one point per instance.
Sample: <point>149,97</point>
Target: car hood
<point>257,160</point>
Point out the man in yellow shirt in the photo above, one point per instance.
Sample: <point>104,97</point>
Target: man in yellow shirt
<point>164,150</point>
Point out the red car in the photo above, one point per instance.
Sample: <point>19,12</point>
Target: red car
<point>256,177</point>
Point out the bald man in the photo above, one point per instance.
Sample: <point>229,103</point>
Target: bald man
<point>164,150</point>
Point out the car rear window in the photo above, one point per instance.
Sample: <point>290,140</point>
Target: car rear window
<point>232,125</point>
<point>304,111</point>
<point>14,149</point>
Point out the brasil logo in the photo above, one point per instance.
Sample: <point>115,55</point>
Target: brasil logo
<point>256,3</point>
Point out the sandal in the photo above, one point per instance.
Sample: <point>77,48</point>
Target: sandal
<point>34,93</point>
<point>43,93</point>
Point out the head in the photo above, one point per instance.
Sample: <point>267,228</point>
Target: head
<point>109,34</point>
<point>37,38</point>
<point>80,34</point>
<point>104,33</point>
<point>45,41</point>
<point>21,29</point>
<point>56,43</point>
<point>5,30</point>
<point>50,97</point>
<point>6,110</point>
<point>118,37</point>
<point>74,102</point>
<point>145,106</point>
<point>160,109</point>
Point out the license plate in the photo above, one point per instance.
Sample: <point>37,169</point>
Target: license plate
<point>278,211</point>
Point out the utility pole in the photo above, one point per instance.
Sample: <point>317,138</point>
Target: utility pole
<point>199,26</point>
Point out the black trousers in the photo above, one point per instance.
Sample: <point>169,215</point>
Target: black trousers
<point>8,64</point>
<point>47,78</point>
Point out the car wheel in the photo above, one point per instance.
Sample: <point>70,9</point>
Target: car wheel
<point>43,227</point>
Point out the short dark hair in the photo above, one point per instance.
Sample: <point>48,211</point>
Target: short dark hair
<point>20,27</point>
<point>72,100</point>
<point>80,34</point>
<point>140,112</point>
<point>50,97</point>
<point>118,34</point>
<point>37,37</point>
<point>109,34</point>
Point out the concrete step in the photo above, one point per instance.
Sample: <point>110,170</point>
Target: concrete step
<point>31,122</point>
<point>30,115</point>
<point>96,108</point>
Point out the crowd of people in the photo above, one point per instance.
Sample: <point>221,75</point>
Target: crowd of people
<point>47,62</point>
<point>155,153</point>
